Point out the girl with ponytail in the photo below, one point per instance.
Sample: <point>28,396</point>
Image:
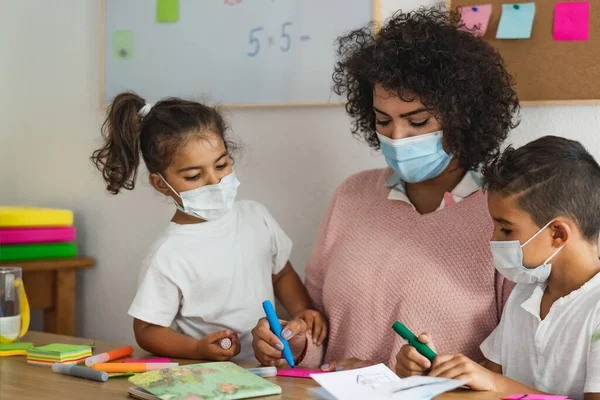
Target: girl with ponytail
<point>219,258</point>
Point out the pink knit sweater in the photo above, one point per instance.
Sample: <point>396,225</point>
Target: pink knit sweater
<point>377,261</point>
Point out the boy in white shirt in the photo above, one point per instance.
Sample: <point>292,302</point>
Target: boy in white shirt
<point>544,199</point>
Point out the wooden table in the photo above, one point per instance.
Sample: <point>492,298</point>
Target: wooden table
<point>25,382</point>
<point>50,286</point>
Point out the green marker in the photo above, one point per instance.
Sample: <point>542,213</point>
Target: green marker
<point>410,337</point>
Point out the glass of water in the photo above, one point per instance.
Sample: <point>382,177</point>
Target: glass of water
<point>14,308</point>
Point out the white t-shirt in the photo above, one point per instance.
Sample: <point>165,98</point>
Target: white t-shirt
<point>213,275</point>
<point>557,355</point>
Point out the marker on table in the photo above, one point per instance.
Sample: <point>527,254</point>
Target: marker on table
<point>276,329</point>
<point>80,372</point>
<point>132,367</point>
<point>299,373</point>
<point>149,360</point>
<point>108,356</point>
<point>264,372</point>
<point>410,337</point>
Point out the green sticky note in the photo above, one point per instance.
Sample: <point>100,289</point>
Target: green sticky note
<point>59,348</point>
<point>15,346</point>
<point>167,10</point>
<point>123,45</point>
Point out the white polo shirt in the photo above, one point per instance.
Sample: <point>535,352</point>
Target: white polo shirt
<point>202,278</point>
<point>559,355</point>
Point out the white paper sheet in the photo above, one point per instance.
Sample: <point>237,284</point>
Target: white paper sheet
<point>379,382</point>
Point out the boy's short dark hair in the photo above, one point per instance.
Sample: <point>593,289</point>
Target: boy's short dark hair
<point>552,177</point>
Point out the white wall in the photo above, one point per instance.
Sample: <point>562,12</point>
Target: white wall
<point>49,125</point>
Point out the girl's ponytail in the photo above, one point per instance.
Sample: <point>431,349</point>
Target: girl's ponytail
<point>119,158</point>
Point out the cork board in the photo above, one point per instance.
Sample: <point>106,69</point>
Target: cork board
<point>548,71</point>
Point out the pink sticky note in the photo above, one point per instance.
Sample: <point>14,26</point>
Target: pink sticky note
<point>149,360</point>
<point>535,397</point>
<point>476,17</point>
<point>298,372</point>
<point>572,21</point>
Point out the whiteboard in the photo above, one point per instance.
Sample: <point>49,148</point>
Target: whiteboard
<point>233,52</point>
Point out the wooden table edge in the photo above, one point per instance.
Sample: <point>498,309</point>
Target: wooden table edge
<point>51,264</point>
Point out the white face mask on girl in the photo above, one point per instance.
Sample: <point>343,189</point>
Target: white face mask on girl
<point>209,202</point>
<point>508,258</point>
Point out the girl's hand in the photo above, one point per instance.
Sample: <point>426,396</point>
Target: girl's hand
<point>465,369</point>
<point>316,325</point>
<point>410,362</point>
<point>344,365</point>
<point>209,347</point>
<point>267,347</point>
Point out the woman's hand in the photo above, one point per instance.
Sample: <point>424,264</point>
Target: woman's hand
<point>464,369</point>
<point>410,362</point>
<point>316,325</point>
<point>343,365</point>
<point>209,347</point>
<point>267,347</point>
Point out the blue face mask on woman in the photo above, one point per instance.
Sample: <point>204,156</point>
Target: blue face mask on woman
<point>415,159</point>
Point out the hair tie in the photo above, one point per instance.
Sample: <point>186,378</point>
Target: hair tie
<point>144,111</point>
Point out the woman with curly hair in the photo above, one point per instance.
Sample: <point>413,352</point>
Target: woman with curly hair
<point>409,242</point>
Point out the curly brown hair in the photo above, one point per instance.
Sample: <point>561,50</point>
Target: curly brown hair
<point>427,54</point>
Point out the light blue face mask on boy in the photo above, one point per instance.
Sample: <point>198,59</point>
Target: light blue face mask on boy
<point>415,159</point>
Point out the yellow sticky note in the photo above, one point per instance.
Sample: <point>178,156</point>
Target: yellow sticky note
<point>167,10</point>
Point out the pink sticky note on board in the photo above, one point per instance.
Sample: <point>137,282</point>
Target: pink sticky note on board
<point>572,21</point>
<point>535,397</point>
<point>476,18</point>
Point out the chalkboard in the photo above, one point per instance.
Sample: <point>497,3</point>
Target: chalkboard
<point>234,52</point>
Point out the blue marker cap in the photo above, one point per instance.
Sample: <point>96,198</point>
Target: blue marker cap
<point>276,329</point>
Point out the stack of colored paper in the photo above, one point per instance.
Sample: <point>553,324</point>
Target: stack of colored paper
<point>58,353</point>
<point>14,349</point>
<point>36,233</point>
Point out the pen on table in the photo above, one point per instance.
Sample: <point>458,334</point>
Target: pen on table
<point>132,367</point>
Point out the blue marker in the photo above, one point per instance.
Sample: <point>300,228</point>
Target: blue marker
<point>276,329</point>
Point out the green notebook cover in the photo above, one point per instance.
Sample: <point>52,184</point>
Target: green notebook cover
<point>219,380</point>
<point>21,252</point>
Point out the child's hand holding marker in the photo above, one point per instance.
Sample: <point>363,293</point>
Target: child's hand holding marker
<point>316,325</point>
<point>267,346</point>
<point>213,346</point>
<point>410,362</point>
<point>416,357</point>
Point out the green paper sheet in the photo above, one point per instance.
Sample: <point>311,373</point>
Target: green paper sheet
<point>167,10</point>
<point>15,346</point>
<point>123,45</point>
<point>37,251</point>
